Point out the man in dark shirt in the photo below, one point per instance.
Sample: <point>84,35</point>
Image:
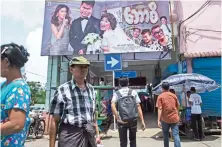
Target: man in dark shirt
<point>82,26</point>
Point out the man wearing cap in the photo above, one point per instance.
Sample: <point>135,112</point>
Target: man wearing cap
<point>73,110</point>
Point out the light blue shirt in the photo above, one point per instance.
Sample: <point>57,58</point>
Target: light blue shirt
<point>15,95</point>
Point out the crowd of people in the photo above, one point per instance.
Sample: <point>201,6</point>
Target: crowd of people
<point>161,33</point>
<point>168,114</point>
<point>73,107</point>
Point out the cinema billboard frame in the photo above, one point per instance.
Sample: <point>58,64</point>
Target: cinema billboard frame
<point>105,27</point>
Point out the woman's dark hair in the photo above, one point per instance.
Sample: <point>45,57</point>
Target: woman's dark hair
<point>123,82</point>
<point>165,85</point>
<point>55,19</point>
<point>111,18</point>
<point>16,55</point>
<point>172,91</point>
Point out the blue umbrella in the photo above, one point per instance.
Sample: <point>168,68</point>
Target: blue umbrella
<point>181,82</point>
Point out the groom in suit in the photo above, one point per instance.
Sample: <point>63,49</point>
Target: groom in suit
<point>83,25</point>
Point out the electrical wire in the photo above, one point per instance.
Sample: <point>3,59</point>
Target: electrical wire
<point>39,76</point>
<point>203,6</point>
<point>206,30</point>
<point>202,11</point>
<point>35,74</point>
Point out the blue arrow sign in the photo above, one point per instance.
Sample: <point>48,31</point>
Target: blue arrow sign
<point>113,62</point>
<point>129,74</point>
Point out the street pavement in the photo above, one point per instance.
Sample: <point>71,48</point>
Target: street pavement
<point>148,138</point>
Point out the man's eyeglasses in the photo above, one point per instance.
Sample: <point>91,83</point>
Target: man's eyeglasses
<point>159,32</point>
<point>81,66</point>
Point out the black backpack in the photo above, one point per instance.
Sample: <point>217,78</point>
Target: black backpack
<point>127,106</point>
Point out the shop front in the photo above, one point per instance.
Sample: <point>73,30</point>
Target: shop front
<point>210,67</point>
<point>170,70</point>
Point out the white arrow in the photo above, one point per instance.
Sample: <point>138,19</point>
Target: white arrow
<point>113,62</point>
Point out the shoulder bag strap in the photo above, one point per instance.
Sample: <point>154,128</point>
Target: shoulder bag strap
<point>118,97</point>
<point>130,92</point>
<point>118,94</point>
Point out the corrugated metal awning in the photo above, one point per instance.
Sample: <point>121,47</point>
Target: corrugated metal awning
<point>203,54</point>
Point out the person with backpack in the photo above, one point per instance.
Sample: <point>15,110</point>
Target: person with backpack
<point>168,115</point>
<point>125,107</point>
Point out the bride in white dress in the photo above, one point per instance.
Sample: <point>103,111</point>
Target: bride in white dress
<point>114,39</point>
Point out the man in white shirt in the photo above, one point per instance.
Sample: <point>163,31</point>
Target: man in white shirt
<point>185,99</point>
<point>196,102</point>
<point>165,26</point>
<point>123,127</point>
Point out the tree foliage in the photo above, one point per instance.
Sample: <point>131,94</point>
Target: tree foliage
<point>38,92</point>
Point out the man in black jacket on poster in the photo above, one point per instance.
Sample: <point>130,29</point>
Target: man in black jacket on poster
<point>82,26</point>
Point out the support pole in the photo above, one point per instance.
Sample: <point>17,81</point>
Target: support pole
<point>114,121</point>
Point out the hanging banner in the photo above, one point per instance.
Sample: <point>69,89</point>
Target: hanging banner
<point>101,27</point>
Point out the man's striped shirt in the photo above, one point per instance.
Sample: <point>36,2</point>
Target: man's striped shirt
<point>74,105</point>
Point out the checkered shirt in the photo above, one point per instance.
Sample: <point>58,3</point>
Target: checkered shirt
<point>169,45</point>
<point>75,106</point>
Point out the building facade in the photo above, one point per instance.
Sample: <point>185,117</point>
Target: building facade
<point>200,46</point>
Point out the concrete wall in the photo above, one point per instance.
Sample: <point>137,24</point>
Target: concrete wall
<point>64,71</point>
<point>52,79</point>
<point>202,32</point>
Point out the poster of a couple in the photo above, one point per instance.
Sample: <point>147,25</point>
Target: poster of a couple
<point>101,27</point>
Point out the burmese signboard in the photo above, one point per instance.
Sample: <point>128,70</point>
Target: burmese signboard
<point>103,27</point>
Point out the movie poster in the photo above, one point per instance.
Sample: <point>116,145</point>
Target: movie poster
<point>103,27</point>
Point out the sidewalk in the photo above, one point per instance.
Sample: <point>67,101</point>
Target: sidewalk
<point>151,137</point>
<point>148,133</point>
<point>210,141</point>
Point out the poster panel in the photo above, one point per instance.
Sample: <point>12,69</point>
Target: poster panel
<point>101,27</point>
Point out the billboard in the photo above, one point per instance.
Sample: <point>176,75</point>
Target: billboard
<point>101,27</point>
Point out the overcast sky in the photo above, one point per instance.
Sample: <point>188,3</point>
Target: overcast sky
<point>21,23</point>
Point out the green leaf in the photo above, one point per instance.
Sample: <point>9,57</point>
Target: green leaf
<point>38,92</point>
